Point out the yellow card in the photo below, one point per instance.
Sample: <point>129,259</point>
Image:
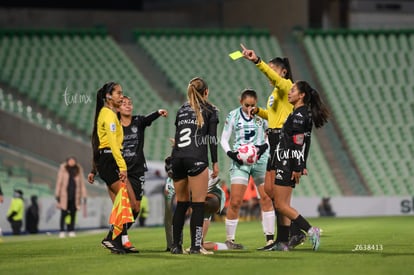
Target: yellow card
<point>236,55</point>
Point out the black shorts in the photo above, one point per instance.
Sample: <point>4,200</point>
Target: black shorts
<point>273,137</point>
<point>184,167</point>
<point>284,175</point>
<point>107,167</point>
<point>137,181</point>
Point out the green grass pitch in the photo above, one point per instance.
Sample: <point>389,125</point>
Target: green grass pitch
<point>374,245</point>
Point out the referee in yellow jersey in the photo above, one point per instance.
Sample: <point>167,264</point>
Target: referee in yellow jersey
<point>107,138</point>
<point>277,110</point>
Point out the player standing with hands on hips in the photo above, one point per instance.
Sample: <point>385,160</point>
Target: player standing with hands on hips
<point>196,130</point>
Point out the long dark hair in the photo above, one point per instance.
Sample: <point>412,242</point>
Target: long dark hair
<point>107,88</point>
<point>283,62</point>
<point>320,113</point>
<point>72,170</point>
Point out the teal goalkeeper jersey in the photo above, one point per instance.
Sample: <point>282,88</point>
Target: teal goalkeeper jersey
<point>244,130</point>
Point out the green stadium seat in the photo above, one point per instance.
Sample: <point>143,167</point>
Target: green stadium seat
<point>183,55</point>
<point>377,106</point>
<point>42,65</point>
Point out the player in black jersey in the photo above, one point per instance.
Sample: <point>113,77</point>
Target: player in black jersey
<point>133,144</point>
<point>196,130</point>
<point>133,153</point>
<point>292,151</point>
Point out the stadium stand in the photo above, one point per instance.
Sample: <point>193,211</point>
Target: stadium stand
<point>16,177</point>
<point>61,72</point>
<point>184,54</point>
<point>17,107</point>
<point>367,78</point>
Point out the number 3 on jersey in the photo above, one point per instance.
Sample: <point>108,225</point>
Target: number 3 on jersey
<point>185,139</point>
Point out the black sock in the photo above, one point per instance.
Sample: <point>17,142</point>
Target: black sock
<point>278,227</point>
<point>109,236</point>
<point>178,221</point>
<point>118,240</point>
<point>294,229</point>
<point>277,216</point>
<point>135,214</point>
<point>302,223</point>
<point>282,233</point>
<point>270,237</point>
<point>124,229</point>
<point>196,224</point>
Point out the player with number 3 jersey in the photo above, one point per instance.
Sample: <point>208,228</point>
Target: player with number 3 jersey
<point>196,131</point>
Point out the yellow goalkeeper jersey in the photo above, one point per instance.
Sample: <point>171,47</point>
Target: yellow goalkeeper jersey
<point>278,106</point>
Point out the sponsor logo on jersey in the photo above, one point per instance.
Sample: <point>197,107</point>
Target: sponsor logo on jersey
<point>297,121</point>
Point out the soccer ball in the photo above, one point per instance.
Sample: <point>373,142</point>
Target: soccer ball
<point>247,153</point>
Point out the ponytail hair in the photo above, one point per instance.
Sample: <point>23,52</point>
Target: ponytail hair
<point>100,102</point>
<point>196,93</point>
<point>320,113</point>
<point>284,63</point>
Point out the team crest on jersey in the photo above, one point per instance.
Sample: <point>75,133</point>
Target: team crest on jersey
<point>112,127</point>
<point>134,129</point>
<point>258,121</point>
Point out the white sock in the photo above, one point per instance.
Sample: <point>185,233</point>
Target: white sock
<point>220,246</point>
<point>231,226</point>
<point>125,239</point>
<point>268,222</point>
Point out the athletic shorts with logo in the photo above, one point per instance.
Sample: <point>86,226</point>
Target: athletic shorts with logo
<point>184,167</point>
